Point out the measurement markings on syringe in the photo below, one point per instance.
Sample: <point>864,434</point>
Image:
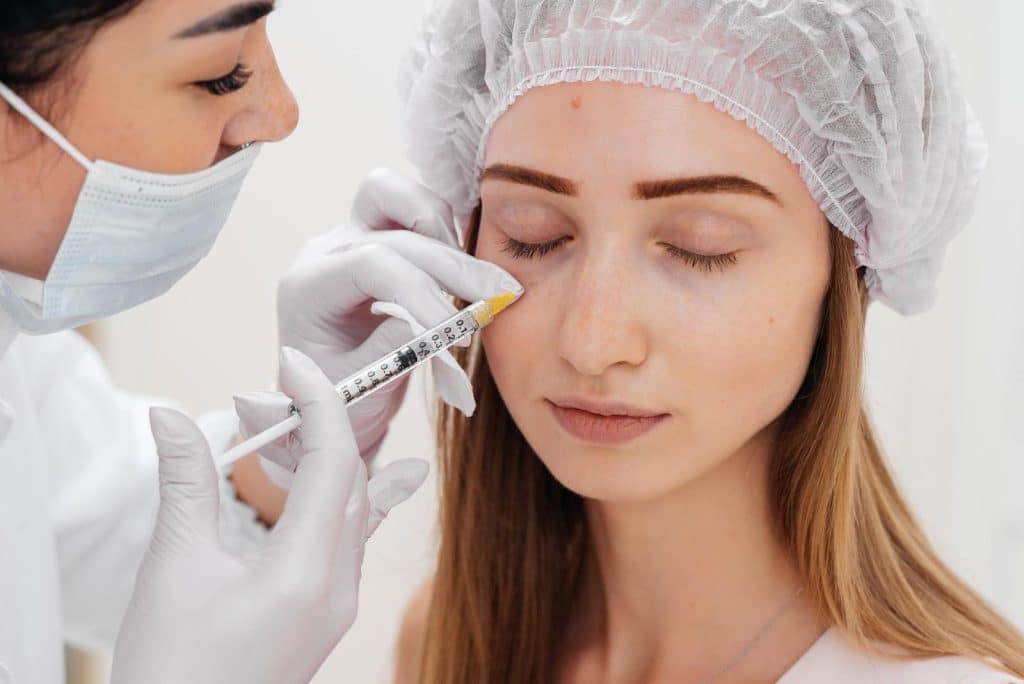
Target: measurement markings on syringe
<point>419,350</point>
<point>443,339</point>
<point>402,361</point>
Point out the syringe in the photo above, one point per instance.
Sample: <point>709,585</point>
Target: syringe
<point>389,368</point>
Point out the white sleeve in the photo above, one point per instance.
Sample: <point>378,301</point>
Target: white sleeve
<point>104,484</point>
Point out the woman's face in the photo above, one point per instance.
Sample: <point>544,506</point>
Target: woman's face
<point>676,268</point>
<point>173,87</point>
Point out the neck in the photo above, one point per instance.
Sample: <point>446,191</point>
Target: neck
<point>685,582</point>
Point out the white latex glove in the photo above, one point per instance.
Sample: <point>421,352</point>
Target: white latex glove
<point>401,251</point>
<point>201,615</point>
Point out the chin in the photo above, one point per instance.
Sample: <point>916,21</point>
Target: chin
<point>631,474</point>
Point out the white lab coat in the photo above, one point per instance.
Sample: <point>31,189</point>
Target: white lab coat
<point>78,498</point>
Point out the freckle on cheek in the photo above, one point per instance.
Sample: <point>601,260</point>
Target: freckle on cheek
<point>771,320</point>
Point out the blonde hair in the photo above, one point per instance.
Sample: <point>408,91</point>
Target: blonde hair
<point>514,540</point>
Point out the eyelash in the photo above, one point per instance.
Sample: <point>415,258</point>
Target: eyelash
<point>709,263</point>
<point>527,250</point>
<point>231,83</point>
<point>531,250</point>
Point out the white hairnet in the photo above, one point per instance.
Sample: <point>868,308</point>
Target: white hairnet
<point>859,93</point>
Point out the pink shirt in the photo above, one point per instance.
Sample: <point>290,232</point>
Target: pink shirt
<point>835,660</point>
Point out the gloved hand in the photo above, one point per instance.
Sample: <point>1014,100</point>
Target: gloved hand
<point>201,615</point>
<point>402,252</point>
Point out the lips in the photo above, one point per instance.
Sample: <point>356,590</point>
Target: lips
<point>604,423</point>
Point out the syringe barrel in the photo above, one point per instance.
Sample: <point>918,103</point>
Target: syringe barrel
<point>395,365</point>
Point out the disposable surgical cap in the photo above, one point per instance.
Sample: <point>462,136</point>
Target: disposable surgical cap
<point>860,94</point>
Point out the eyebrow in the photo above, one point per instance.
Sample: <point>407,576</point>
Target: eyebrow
<point>531,177</point>
<point>702,185</point>
<point>647,190</point>
<point>229,19</point>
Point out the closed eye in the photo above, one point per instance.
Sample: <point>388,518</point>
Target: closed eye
<point>531,250</point>
<point>705,262</point>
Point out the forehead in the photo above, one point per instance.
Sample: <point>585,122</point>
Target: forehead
<point>144,40</point>
<point>627,132</point>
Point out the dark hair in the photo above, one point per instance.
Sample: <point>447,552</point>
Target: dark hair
<point>41,39</point>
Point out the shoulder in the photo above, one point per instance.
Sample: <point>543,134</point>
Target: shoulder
<point>953,670</point>
<point>56,355</point>
<point>836,659</point>
<point>49,368</point>
<point>412,634</point>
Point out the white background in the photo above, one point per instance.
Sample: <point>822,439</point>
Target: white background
<point>945,387</point>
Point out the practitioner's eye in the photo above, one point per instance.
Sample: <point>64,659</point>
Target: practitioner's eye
<point>229,83</point>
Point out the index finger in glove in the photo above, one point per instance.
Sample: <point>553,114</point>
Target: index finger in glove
<point>460,274</point>
<point>362,274</point>
<point>314,516</point>
<point>189,493</point>
<point>387,200</point>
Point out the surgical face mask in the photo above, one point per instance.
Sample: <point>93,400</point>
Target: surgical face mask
<point>133,235</point>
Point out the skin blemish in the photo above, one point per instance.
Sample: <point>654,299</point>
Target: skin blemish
<point>576,102</point>
<point>771,320</point>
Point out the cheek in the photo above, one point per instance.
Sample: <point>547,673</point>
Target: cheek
<point>517,341</point>
<point>153,127</point>
<point>749,365</point>
<point>183,137</point>
<point>756,377</point>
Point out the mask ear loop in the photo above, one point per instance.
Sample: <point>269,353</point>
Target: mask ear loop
<point>19,105</point>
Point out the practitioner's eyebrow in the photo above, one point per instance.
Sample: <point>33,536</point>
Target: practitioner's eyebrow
<point>229,19</point>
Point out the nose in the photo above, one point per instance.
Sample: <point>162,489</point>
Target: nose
<point>602,328</point>
<point>271,112</point>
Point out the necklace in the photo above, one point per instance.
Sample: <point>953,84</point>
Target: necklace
<point>738,658</point>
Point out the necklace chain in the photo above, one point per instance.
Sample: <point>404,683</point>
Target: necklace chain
<point>738,658</point>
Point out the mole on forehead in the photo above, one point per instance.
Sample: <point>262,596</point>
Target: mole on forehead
<point>576,102</point>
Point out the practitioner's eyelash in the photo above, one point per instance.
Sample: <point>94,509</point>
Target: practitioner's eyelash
<point>230,83</point>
